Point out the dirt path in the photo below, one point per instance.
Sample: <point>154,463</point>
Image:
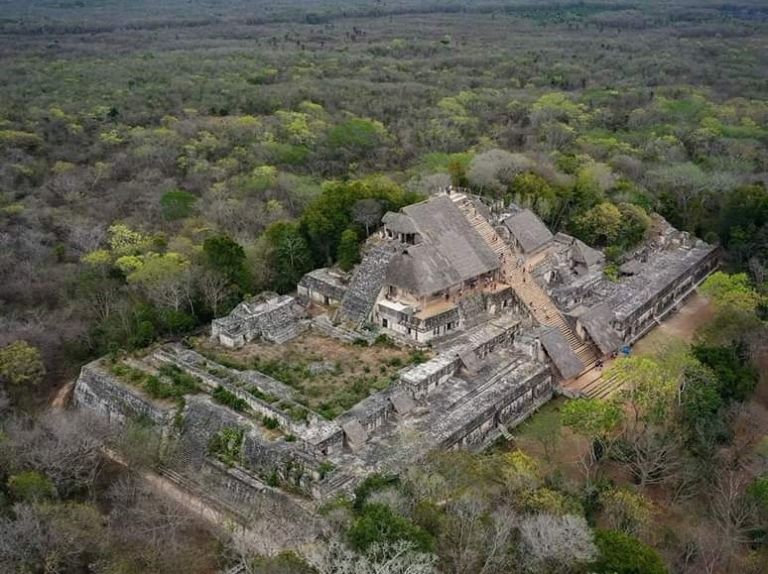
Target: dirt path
<point>63,396</point>
<point>696,312</point>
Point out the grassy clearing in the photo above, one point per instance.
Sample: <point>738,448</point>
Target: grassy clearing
<point>330,376</point>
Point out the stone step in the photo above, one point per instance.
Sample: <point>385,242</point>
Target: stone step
<point>602,387</point>
<point>527,290</point>
<point>366,283</point>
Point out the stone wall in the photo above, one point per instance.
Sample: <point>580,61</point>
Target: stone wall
<point>424,378</point>
<point>280,516</point>
<point>101,392</point>
<point>517,402</point>
<point>646,316</point>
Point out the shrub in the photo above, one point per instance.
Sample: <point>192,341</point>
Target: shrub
<point>227,444</point>
<point>30,486</point>
<point>226,398</point>
<point>623,554</point>
<point>372,484</point>
<point>270,422</point>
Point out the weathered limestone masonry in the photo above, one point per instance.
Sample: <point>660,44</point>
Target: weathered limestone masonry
<point>366,284</point>
<point>510,309</point>
<point>323,286</point>
<point>96,391</point>
<point>274,318</point>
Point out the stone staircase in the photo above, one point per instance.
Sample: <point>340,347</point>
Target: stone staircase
<point>600,385</point>
<point>480,223</point>
<point>534,297</point>
<point>366,282</point>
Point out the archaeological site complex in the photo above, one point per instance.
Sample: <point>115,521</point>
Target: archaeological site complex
<point>460,321</point>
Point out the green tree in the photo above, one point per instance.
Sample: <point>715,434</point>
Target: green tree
<point>544,427</point>
<point>177,204</point>
<point>290,256</point>
<point>736,377</point>
<point>599,226</point>
<point>623,554</point>
<point>21,364</point>
<point>596,421</point>
<point>635,223</point>
<point>348,252</point>
<point>164,278</point>
<point>378,523</point>
<point>355,138</point>
<point>228,257</point>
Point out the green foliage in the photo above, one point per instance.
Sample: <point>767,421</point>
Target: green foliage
<point>626,511</point>
<point>348,252</point>
<point>378,523</point>
<point>227,444</point>
<point>270,422</point>
<point>545,428</point>
<point>600,226</point>
<point>181,380</point>
<point>743,221</point>
<point>731,292</point>
<point>371,484</point>
<point>176,385</point>
<point>758,491</point>
<point>623,554</point>
<point>592,418</point>
<point>259,394</point>
<point>290,256</point>
<point>177,204</point>
<point>701,406</point>
<point>21,364</point>
<point>331,213</point>
<point>228,258</point>
<point>229,399</point>
<point>635,224</point>
<point>356,137</point>
<point>325,468</point>
<point>735,375</point>
<point>30,486</point>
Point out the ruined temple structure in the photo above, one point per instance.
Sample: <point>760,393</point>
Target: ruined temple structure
<point>507,312</point>
<point>452,264</point>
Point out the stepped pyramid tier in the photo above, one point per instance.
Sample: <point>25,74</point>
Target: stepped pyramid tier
<point>269,316</point>
<point>366,283</point>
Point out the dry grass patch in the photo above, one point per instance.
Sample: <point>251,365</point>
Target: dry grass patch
<point>330,376</point>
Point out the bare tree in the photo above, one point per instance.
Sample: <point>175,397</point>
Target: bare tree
<point>558,542</point>
<point>215,289</point>
<point>25,540</point>
<point>652,456</point>
<point>367,212</point>
<point>395,558</point>
<point>61,445</point>
<point>730,508</point>
<point>154,528</point>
